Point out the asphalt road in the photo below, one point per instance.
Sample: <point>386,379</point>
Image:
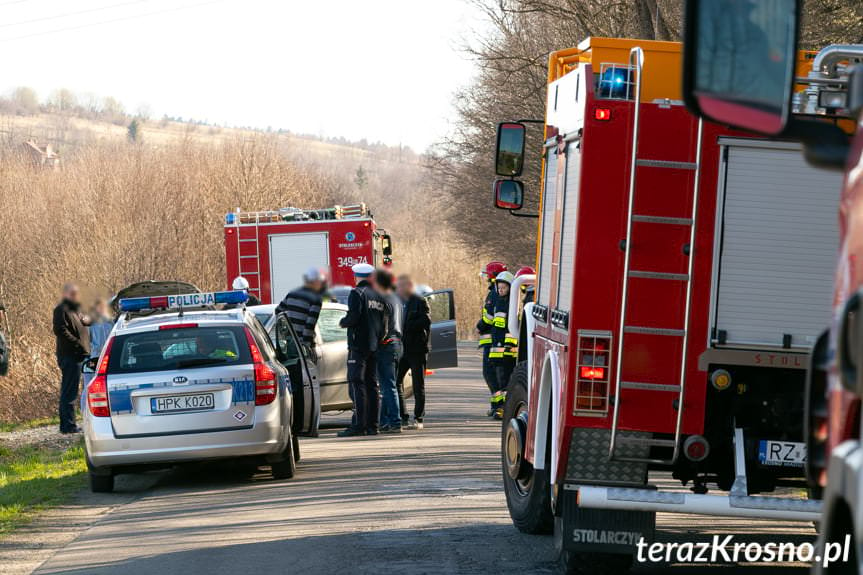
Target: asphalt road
<point>422,502</point>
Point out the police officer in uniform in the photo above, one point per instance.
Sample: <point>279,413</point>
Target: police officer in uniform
<point>367,326</point>
<point>485,325</point>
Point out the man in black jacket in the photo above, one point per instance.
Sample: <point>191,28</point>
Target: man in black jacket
<point>73,347</point>
<point>366,322</point>
<point>416,329</point>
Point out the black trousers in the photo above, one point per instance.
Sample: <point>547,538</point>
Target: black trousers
<point>363,381</point>
<point>70,380</point>
<point>416,363</point>
<point>503,368</point>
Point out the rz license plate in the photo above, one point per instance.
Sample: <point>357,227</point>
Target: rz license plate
<point>781,453</point>
<point>180,403</point>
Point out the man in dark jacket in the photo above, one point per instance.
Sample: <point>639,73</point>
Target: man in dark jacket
<point>4,345</point>
<point>366,322</point>
<point>73,347</point>
<point>417,326</point>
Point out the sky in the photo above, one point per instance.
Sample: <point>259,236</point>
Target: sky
<point>384,70</point>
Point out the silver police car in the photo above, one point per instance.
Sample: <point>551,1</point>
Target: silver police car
<point>179,380</point>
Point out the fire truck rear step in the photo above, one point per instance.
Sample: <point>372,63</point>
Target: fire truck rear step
<point>736,504</point>
<point>646,441</point>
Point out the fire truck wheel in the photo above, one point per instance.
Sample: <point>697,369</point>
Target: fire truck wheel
<point>573,563</point>
<point>527,489</point>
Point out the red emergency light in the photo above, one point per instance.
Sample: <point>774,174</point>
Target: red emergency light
<point>588,372</point>
<point>602,114</point>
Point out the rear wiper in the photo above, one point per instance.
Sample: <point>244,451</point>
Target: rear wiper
<point>201,361</point>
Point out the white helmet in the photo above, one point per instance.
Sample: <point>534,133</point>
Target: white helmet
<point>241,283</point>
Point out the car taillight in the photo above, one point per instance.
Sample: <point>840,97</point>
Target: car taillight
<point>265,384</point>
<point>97,390</point>
<point>592,373</point>
<point>265,377</point>
<point>97,397</point>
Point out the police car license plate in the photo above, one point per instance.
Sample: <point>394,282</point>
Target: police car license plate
<point>781,453</point>
<point>180,403</point>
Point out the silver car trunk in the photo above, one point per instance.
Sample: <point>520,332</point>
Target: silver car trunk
<point>161,403</point>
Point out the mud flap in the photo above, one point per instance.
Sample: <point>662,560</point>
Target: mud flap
<point>602,530</point>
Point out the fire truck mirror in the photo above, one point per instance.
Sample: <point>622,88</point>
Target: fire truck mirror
<point>509,153</point>
<point>739,61</point>
<point>508,194</point>
<point>386,245</point>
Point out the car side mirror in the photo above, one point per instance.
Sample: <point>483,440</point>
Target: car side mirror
<point>386,245</point>
<point>508,194</point>
<point>739,61</point>
<point>89,366</point>
<point>509,150</point>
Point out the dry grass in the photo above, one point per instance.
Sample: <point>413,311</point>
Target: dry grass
<point>117,213</point>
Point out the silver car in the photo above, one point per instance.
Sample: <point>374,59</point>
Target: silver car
<point>330,372</point>
<point>183,385</point>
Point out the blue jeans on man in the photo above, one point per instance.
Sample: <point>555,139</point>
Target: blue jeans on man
<point>388,357</point>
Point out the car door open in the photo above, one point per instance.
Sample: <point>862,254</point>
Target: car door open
<point>444,343</point>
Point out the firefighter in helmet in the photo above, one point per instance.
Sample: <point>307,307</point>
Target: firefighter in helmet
<point>527,296</point>
<point>485,325</point>
<point>504,345</point>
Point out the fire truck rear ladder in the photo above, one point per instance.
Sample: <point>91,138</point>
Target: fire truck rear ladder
<point>636,62</point>
<point>256,257</point>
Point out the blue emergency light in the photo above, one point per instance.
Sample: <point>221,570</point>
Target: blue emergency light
<point>181,301</point>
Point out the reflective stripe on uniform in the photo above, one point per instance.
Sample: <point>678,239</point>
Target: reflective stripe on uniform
<point>487,317</point>
<point>500,322</point>
<point>485,340</point>
<point>510,340</point>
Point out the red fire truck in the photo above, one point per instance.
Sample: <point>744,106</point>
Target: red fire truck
<point>684,273</point>
<point>834,91</point>
<point>272,249</point>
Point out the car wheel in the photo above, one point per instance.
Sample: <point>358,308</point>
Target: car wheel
<point>528,495</point>
<point>100,483</point>
<point>296,441</point>
<point>285,468</point>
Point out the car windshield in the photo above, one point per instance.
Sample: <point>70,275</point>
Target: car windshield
<point>170,349</point>
<point>328,324</point>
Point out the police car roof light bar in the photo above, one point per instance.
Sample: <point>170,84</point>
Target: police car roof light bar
<point>181,301</point>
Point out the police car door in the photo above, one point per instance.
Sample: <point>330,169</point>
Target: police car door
<point>444,344</point>
<point>291,353</point>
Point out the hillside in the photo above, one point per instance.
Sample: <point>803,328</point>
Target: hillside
<point>116,211</point>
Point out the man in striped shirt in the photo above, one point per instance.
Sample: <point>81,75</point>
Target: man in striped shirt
<point>303,306</point>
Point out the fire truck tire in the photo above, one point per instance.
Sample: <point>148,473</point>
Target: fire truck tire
<point>528,494</point>
<point>574,563</point>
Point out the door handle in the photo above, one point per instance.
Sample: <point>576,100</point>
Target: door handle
<point>447,332</point>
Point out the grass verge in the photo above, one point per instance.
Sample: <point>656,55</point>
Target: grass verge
<point>33,478</point>
<point>31,424</point>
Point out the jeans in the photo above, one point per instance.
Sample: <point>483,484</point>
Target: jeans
<point>489,373</point>
<point>416,363</point>
<point>362,379</point>
<point>70,380</point>
<point>388,360</point>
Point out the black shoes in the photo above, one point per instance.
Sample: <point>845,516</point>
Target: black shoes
<point>351,432</point>
<point>71,430</point>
